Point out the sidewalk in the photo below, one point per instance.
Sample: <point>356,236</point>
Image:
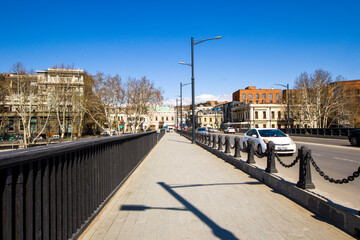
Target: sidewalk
<point>181,191</point>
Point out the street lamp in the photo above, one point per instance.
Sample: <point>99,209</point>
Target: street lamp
<point>193,80</point>
<point>288,105</point>
<point>181,86</point>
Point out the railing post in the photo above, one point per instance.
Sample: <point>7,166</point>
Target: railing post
<point>214,141</point>
<point>209,140</point>
<point>220,148</point>
<point>271,168</point>
<point>227,144</point>
<point>250,157</point>
<point>305,181</point>
<point>237,147</point>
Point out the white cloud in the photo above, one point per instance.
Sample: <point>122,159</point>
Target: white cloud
<point>199,99</point>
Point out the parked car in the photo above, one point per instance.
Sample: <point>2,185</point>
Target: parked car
<point>229,130</point>
<point>213,130</point>
<point>55,137</point>
<point>261,136</point>
<point>354,137</point>
<point>202,130</point>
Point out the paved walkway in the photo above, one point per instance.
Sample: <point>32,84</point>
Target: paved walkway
<point>181,191</point>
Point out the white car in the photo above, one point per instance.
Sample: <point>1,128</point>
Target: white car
<point>229,130</point>
<point>261,136</point>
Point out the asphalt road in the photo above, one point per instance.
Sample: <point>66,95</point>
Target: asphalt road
<point>335,157</point>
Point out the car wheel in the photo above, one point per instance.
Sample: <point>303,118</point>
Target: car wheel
<point>354,141</point>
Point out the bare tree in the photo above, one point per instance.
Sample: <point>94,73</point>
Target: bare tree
<point>315,98</point>
<point>107,101</point>
<point>141,94</point>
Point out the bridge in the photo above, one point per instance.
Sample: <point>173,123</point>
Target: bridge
<point>160,187</point>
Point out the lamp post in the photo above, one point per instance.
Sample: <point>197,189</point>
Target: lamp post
<point>288,105</point>
<point>193,43</point>
<point>181,86</point>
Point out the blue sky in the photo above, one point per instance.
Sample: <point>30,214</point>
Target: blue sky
<point>263,42</point>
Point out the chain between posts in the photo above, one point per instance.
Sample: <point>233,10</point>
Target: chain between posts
<point>332,180</point>
<point>287,165</point>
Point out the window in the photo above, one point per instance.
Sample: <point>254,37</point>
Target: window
<point>172,118</point>
<point>357,91</point>
<point>264,95</point>
<point>273,125</point>
<point>162,118</point>
<point>256,115</point>
<point>244,96</point>
<point>264,125</point>
<point>210,119</point>
<point>250,101</point>
<point>277,101</point>
<point>33,124</point>
<point>250,96</point>
<point>272,114</point>
<point>204,119</point>
<point>257,101</point>
<point>277,96</point>
<point>155,118</point>
<point>270,101</point>
<point>263,101</point>
<point>11,125</point>
<point>167,118</point>
<point>21,125</point>
<point>257,96</point>
<point>279,115</point>
<point>264,115</point>
<point>270,95</point>
<point>256,126</point>
<point>279,125</point>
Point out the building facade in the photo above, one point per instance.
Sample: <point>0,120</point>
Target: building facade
<point>252,95</point>
<point>48,100</point>
<point>259,116</point>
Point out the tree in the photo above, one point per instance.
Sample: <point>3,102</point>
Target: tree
<point>315,99</point>
<point>140,95</point>
<point>107,100</point>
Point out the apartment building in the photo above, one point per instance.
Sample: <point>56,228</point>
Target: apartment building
<point>47,98</point>
<point>251,95</point>
<point>254,115</point>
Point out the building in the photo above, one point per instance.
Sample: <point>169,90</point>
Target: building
<point>351,90</point>
<point>49,101</point>
<point>252,115</point>
<point>160,117</point>
<point>252,95</point>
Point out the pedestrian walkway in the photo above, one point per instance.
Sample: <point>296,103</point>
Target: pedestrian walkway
<point>181,191</point>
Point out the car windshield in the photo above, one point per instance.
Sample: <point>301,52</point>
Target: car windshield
<point>272,133</point>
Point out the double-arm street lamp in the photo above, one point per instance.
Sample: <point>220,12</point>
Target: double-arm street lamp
<point>193,43</point>
<point>288,105</point>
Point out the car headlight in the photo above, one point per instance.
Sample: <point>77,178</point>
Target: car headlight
<point>265,141</point>
<point>291,141</point>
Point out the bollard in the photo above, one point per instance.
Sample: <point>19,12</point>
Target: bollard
<point>209,140</point>
<point>250,159</point>
<point>214,141</point>
<point>270,167</point>
<point>227,144</point>
<point>305,181</point>
<point>220,148</point>
<point>237,147</point>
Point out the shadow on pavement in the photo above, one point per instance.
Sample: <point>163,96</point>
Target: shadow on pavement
<point>218,231</point>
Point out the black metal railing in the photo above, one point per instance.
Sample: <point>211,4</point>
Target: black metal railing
<point>340,132</point>
<point>53,192</point>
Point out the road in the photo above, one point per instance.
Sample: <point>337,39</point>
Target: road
<point>335,157</point>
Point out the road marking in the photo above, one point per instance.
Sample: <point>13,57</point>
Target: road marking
<point>348,160</point>
<point>329,145</point>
